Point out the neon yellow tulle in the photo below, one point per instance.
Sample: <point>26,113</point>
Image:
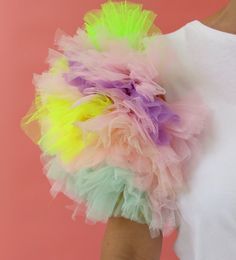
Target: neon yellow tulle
<point>57,116</point>
<point>50,122</point>
<point>120,20</point>
<point>60,65</point>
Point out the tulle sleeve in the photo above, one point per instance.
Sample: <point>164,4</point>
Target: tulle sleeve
<point>109,138</point>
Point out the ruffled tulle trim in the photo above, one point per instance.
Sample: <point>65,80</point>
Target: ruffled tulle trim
<point>109,138</point>
<point>120,20</point>
<point>109,191</point>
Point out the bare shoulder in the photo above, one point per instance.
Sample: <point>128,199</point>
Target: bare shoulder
<point>222,20</point>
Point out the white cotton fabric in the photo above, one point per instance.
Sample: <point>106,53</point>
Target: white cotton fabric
<point>204,59</point>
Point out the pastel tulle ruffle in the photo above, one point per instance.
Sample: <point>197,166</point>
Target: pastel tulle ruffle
<point>109,138</point>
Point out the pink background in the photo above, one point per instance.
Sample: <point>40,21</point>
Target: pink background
<point>33,226</point>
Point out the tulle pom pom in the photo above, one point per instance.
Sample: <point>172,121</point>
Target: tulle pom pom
<point>109,138</point>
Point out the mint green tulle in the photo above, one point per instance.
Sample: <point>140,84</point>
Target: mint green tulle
<point>106,191</point>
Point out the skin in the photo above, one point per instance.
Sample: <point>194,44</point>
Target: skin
<point>128,240</point>
<point>125,239</point>
<point>224,20</point>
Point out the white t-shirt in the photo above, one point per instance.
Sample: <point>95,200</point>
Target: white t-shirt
<point>205,59</point>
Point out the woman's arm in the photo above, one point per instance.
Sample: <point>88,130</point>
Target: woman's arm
<point>128,240</point>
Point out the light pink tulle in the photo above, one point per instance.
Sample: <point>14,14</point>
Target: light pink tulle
<point>159,170</point>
